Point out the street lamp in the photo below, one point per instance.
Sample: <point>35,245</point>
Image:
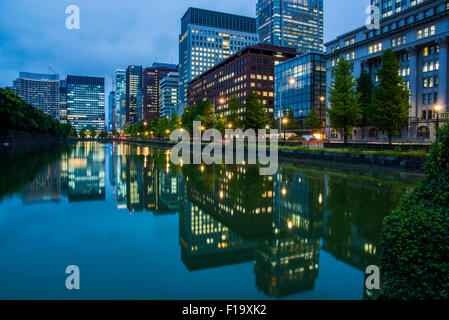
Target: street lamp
<point>285,121</point>
<point>437,110</point>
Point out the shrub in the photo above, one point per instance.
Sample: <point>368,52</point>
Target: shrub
<point>415,257</point>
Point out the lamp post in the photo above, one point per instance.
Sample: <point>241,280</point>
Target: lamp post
<point>285,121</point>
<point>437,110</point>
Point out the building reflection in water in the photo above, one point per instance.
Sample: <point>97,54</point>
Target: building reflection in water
<point>86,172</point>
<point>230,214</point>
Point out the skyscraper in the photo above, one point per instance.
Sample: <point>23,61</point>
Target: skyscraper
<point>39,90</point>
<point>207,38</point>
<point>133,85</point>
<point>291,23</point>
<point>120,99</point>
<point>169,94</point>
<point>85,102</point>
<point>152,78</point>
<point>111,111</point>
<point>63,101</point>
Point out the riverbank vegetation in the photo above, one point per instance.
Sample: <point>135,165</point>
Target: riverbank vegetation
<point>16,114</point>
<point>415,257</point>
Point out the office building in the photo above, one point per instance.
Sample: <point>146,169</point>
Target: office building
<point>291,23</point>
<point>120,99</point>
<point>39,90</point>
<point>300,85</point>
<point>207,38</point>
<point>85,102</point>
<point>152,78</point>
<point>133,85</point>
<point>250,69</point>
<point>63,101</point>
<point>111,111</point>
<point>418,36</point>
<point>168,96</point>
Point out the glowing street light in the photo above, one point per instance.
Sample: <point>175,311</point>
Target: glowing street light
<point>437,109</point>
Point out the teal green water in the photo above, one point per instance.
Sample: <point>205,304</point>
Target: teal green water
<point>139,227</point>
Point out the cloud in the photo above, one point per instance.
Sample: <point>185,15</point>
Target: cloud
<point>116,33</point>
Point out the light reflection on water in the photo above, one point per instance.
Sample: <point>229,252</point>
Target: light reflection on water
<point>141,228</point>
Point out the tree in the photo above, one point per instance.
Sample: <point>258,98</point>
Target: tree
<point>234,112</point>
<point>345,109</point>
<point>292,122</point>
<point>255,115</point>
<point>175,122</point>
<point>83,133</point>
<point>391,97</point>
<point>415,244</point>
<point>365,89</point>
<point>72,132</point>
<point>92,132</point>
<point>313,121</point>
<point>103,135</point>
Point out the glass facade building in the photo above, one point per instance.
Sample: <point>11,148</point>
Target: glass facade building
<point>291,23</point>
<point>39,90</point>
<point>300,85</point>
<point>120,99</point>
<point>63,101</point>
<point>85,102</point>
<point>133,85</point>
<point>152,78</point>
<point>111,111</point>
<point>207,38</point>
<point>169,94</point>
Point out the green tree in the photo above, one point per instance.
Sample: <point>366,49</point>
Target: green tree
<point>345,110</point>
<point>234,112</point>
<point>103,135</point>
<point>255,115</point>
<point>92,132</point>
<point>391,97</point>
<point>175,122</point>
<point>313,121</point>
<point>365,89</point>
<point>292,122</point>
<point>83,133</point>
<point>415,244</point>
<point>72,132</point>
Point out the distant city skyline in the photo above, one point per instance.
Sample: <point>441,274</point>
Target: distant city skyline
<point>114,36</point>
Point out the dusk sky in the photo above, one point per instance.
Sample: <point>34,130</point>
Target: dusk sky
<point>116,33</point>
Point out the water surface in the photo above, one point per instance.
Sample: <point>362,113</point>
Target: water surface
<point>139,227</point>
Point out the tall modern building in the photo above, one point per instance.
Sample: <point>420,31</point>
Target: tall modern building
<point>152,78</point>
<point>63,101</point>
<point>111,111</point>
<point>39,90</point>
<point>388,7</point>
<point>418,36</point>
<point>133,85</point>
<point>168,96</point>
<point>85,102</point>
<point>207,38</point>
<point>120,99</point>
<point>291,23</point>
